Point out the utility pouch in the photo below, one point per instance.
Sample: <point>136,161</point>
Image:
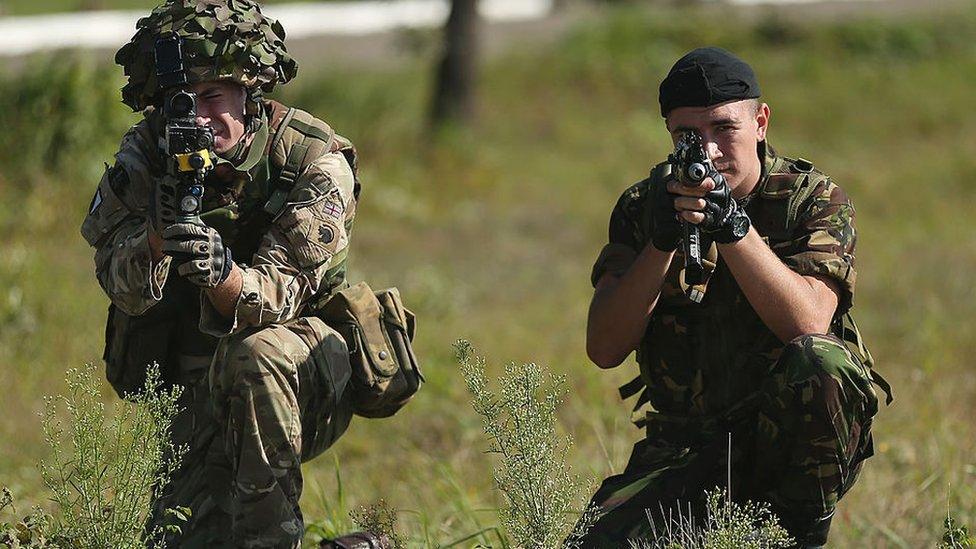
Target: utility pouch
<point>132,343</point>
<point>378,331</point>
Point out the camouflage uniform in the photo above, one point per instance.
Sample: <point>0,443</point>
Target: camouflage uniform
<point>799,415</point>
<point>266,389</point>
<point>269,387</point>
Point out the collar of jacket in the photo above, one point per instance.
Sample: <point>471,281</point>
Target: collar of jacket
<point>252,155</point>
<point>767,156</point>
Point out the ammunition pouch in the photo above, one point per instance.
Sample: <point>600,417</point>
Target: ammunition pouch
<point>378,331</point>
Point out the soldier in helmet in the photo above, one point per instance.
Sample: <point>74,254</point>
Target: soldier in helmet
<point>225,299</point>
<point>759,361</point>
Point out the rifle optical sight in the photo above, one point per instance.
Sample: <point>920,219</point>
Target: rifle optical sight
<point>182,104</point>
<point>188,143</point>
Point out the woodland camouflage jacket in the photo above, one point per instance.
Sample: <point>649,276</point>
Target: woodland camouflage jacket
<point>290,256</point>
<point>704,359</point>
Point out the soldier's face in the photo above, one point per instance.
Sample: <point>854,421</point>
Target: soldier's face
<point>220,105</point>
<point>730,132</point>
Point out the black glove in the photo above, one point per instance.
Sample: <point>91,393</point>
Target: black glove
<point>725,221</point>
<point>163,207</point>
<point>199,253</point>
<point>665,228</point>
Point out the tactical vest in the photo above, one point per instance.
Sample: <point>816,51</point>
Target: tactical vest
<point>170,328</point>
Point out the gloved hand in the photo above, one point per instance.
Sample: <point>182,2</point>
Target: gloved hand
<point>665,228</point>
<point>163,206</point>
<point>198,252</point>
<point>725,221</point>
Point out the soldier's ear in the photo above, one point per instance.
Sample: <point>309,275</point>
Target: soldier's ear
<point>762,121</point>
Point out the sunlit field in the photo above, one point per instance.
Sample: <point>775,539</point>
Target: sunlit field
<point>490,231</point>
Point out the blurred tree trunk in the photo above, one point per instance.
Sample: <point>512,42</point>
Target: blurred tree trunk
<point>454,90</point>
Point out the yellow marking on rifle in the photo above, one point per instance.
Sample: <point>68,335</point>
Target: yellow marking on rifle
<point>183,160</point>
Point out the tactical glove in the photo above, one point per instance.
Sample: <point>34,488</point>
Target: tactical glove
<point>665,228</point>
<point>198,252</point>
<point>163,203</point>
<point>725,221</point>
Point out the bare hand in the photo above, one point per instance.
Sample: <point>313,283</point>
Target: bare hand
<point>690,203</point>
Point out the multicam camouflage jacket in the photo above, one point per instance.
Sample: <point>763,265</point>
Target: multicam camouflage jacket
<point>291,239</point>
<point>706,359</point>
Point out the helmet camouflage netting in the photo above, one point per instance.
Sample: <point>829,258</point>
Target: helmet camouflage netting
<point>222,40</point>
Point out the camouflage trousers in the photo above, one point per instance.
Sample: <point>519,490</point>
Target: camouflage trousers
<point>270,399</point>
<point>797,443</point>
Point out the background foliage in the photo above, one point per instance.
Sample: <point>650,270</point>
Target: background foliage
<point>490,233</point>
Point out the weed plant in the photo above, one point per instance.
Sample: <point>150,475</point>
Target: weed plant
<point>381,519</point>
<point>956,536</point>
<point>104,472</point>
<point>728,525</point>
<point>520,422</point>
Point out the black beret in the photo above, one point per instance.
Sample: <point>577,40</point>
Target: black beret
<point>706,77</point>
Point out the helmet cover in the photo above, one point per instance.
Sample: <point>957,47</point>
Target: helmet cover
<point>221,40</point>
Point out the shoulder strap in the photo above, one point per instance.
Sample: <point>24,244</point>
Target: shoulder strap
<point>304,138</point>
<point>278,116</point>
<point>638,414</point>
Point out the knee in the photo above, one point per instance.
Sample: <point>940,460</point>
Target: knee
<point>253,358</point>
<point>812,356</point>
<point>818,370</point>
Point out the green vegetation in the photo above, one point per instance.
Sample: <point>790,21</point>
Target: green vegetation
<point>542,495</point>
<point>490,233</point>
<point>104,469</point>
<point>956,536</point>
<point>728,525</point>
<point>380,519</point>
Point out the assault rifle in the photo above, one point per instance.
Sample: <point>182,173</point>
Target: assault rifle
<point>186,145</point>
<point>691,164</point>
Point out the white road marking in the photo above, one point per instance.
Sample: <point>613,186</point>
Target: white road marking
<point>110,29</point>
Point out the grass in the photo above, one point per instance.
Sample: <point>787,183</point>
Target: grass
<point>490,233</point>
<point>105,468</point>
<point>545,502</point>
<point>726,525</point>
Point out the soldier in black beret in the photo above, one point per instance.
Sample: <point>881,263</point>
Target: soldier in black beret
<point>755,378</point>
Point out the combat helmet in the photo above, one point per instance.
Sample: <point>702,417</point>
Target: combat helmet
<point>221,40</point>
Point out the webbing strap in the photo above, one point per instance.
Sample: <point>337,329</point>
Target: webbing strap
<point>280,129</point>
<point>846,329</point>
<point>639,413</point>
<point>286,179</point>
<point>631,388</point>
<point>310,130</point>
<point>293,164</point>
<point>878,380</point>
